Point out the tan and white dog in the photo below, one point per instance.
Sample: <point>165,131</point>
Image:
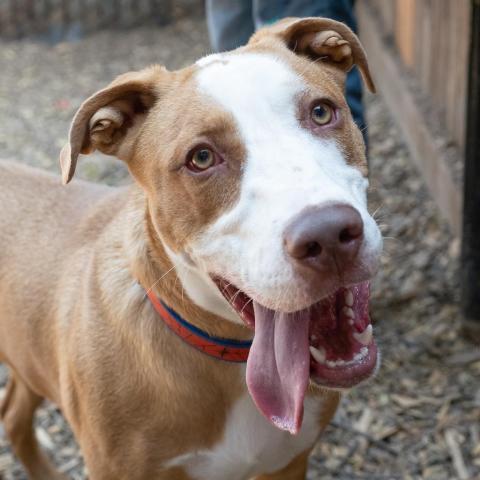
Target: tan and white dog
<point>247,219</point>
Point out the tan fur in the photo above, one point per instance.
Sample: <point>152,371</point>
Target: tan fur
<point>297,469</point>
<point>75,326</point>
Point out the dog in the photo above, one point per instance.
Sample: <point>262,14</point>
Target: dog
<point>203,322</point>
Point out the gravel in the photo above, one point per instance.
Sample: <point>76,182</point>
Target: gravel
<point>419,418</point>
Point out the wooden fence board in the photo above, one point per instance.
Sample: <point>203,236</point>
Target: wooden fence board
<point>457,96</point>
<point>432,37</point>
<point>425,43</point>
<point>429,157</point>
<point>439,54</point>
<point>405,30</point>
<point>386,10</point>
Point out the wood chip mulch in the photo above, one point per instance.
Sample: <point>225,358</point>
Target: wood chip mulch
<point>420,417</point>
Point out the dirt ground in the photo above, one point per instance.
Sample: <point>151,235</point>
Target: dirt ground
<point>419,418</point>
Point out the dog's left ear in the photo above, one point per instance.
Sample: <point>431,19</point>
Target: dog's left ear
<point>110,120</point>
<point>321,39</point>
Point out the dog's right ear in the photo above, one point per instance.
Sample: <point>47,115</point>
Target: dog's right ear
<point>110,120</point>
<point>320,39</point>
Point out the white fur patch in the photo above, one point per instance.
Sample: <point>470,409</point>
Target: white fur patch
<point>201,289</point>
<point>251,445</point>
<point>288,168</point>
<point>209,59</point>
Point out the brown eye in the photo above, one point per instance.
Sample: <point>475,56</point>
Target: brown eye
<point>322,113</point>
<point>202,159</point>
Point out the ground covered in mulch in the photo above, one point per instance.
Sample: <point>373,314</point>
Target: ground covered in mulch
<point>419,418</point>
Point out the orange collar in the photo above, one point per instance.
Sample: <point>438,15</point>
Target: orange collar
<point>229,350</point>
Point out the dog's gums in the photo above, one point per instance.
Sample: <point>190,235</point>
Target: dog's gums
<point>331,343</point>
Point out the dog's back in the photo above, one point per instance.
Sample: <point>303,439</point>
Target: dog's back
<point>37,216</point>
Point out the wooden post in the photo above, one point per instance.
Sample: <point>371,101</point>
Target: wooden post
<point>470,274</point>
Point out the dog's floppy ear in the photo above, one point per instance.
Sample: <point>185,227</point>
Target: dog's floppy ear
<point>110,120</point>
<point>321,39</point>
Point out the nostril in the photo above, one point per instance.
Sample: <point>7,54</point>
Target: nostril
<point>322,234</point>
<point>345,236</point>
<point>349,234</point>
<point>312,249</point>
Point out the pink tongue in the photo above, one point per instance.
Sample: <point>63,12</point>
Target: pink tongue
<point>278,366</point>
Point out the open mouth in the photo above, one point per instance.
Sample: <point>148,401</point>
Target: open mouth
<point>330,343</point>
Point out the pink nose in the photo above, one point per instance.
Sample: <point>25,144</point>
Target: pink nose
<point>325,237</point>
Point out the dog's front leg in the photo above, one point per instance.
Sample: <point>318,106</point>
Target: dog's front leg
<point>17,411</point>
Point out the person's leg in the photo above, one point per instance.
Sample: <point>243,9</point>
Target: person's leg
<point>266,12</point>
<point>230,23</point>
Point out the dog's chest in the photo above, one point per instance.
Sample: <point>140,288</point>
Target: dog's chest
<point>250,445</point>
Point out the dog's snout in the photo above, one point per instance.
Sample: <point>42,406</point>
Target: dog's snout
<point>324,235</point>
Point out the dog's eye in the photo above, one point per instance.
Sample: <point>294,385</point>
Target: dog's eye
<point>202,159</point>
<point>322,113</point>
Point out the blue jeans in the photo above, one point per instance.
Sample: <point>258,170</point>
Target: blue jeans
<point>232,22</point>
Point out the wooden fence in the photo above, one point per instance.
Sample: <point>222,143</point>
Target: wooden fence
<point>425,56</point>
<point>419,52</point>
<point>432,37</point>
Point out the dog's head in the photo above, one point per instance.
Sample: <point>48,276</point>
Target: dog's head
<point>255,175</point>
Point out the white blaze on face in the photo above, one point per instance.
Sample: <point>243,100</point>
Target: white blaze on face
<point>287,169</point>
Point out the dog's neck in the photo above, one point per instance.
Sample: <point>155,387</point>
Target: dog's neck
<point>153,268</point>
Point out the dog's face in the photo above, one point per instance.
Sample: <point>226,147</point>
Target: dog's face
<point>256,178</point>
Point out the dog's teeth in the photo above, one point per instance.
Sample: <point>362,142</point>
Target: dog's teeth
<point>348,312</point>
<point>363,353</point>
<point>350,322</point>
<point>359,356</point>
<point>342,363</point>
<point>365,338</point>
<point>318,354</point>
<point>349,298</point>
<point>336,363</point>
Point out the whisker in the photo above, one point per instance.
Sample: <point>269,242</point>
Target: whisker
<point>377,210</point>
<point>243,308</point>
<point>159,280</point>
<point>224,288</point>
<point>235,296</point>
